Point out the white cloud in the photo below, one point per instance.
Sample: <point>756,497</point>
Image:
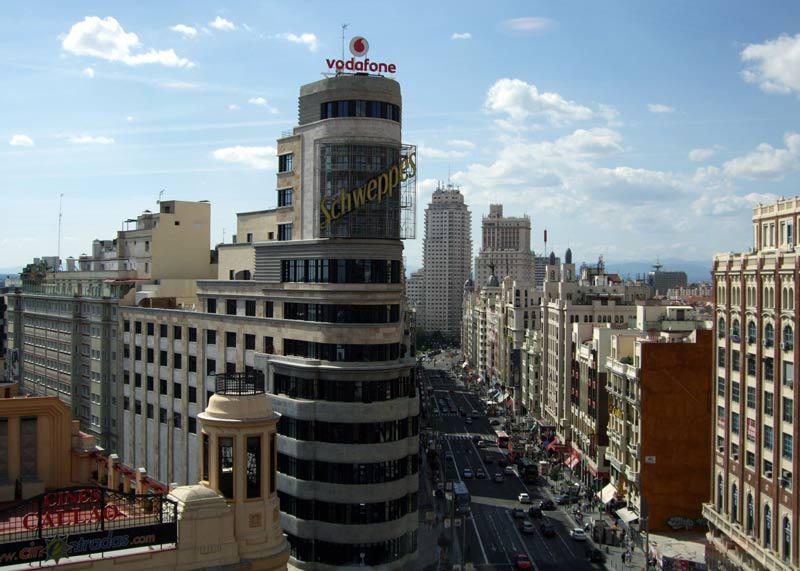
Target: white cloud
<point>130,119</point>
<point>610,114</point>
<point>20,141</point>
<point>306,39</point>
<point>106,39</point>
<point>184,30</point>
<point>89,140</point>
<point>261,102</point>
<point>461,143</point>
<point>702,154</point>
<point>260,158</point>
<point>767,162</point>
<point>433,153</point>
<point>233,107</point>
<point>461,36</point>
<point>774,65</point>
<point>222,24</point>
<point>659,108</point>
<point>180,85</point>
<point>520,100</point>
<point>88,72</point>
<point>528,25</point>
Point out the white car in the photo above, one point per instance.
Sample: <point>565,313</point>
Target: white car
<point>577,534</point>
<point>467,473</point>
<point>524,498</point>
<point>509,471</point>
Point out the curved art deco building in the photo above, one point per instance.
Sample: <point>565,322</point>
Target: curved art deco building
<point>341,375</point>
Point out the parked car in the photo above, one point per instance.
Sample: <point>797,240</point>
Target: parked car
<point>494,422</point>
<point>524,498</point>
<point>480,473</point>
<point>597,556</point>
<point>577,534</point>
<point>498,477</point>
<point>526,526</point>
<point>467,473</point>
<point>535,512</point>
<point>547,505</point>
<point>518,513</point>
<point>547,528</point>
<point>563,499</point>
<point>509,471</point>
<point>521,561</point>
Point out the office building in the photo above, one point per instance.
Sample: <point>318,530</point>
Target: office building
<point>415,294</point>
<point>447,261</point>
<point>662,281</point>
<point>322,317</point>
<point>505,245</point>
<point>753,510</point>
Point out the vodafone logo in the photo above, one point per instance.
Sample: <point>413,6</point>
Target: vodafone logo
<point>359,46</point>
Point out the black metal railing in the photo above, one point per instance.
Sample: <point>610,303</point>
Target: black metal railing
<point>247,383</point>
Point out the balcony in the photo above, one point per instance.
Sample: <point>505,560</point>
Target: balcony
<point>632,475</point>
<point>621,368</point>
<point>239,384</point>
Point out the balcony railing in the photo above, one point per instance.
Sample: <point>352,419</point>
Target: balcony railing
<point>239,384</point>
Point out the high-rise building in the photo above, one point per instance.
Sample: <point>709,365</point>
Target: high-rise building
<point>662,281</point>
<point>415,292</point>
<point>540,269</point>
<point>755,488</point>
<point>447,259</point>
<point>322,316</point>
<point>506,245</point>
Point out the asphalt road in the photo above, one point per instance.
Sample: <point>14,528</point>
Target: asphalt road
<point>492,535</point>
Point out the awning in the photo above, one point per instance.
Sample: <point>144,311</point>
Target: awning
<point>607,493</point>
<point>465,365</point>
<point>572,461</point>
<point>627,515</point>
<point>553,444</point>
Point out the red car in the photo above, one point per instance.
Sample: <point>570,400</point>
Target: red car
<point>521,561</point>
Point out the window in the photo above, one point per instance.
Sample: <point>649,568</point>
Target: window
<point>249,341</point>
<point>735,422</point>
<point>137,379</point>
<point>750,459</point>
<point>750,514</point>
<point>138,327</point>
<point>735,330</point>
<point>249,237</point>
<point>192,394</point>
<point>149,410</point>
<point>269,346</point>
<point>211,305</point>
<point>162,386</point>
<point>177,421</point>
<point>735,391</point>
<point>230,306</point>
<point>192,335</point>
<point>720,493</point>
<point>192,425</point>
<point>285,231</point>
<point>225,457</point>
<point>767,526</point>
<point>177,332</point>
<point>751,331</point>
<point>28,449</point>
<point>272,463</point>
<point>767,469</point>
<point>787,410</point>
<point>788,338</point>
<point>253,467</point>
<point>751,397</point>
<point>162,415</point>
<point>151,329</point>
<point>751,365</point>
<point>176,390</point>
<point>211,337</point>
<point>769,335</point>
<point>192,364</point>
<point>720,387</point>
<point>162,358</point>
<point>721,356</point>
<point>211,366</point>
<point>205,457</point>
<point>286,162</point>
<point>230,339</point>
<point>734,503</point>
<point>137,407</point>
<point>250,307</point>
<point>788,374</point>
<point>769,369</point>
<point>768,437</point>
<point>269,309</point>
<point>787,535</point>
<point>163,330</point>
<point>150,383</point>
<point>735,360</point>
<point>786,446</point>
<point>768,403</point>
<point>721,328</point>
<point>177,361</point>
<point>284,197</point>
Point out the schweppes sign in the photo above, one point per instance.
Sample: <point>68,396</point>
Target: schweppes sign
<point>376,189</point>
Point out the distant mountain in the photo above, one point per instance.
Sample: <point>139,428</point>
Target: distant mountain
<point>10,271</point>
<point>695,270</point>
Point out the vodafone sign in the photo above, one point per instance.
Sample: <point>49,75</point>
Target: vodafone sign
<point>359,46</point>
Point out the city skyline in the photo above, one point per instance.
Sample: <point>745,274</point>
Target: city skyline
<point>661,150</point>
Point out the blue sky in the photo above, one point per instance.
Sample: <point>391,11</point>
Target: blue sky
<point>634,129</point>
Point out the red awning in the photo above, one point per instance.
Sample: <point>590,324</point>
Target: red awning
<point>553,444</point>
<point>572,461</point>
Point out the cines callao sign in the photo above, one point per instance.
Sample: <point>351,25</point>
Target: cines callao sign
<point>359,46</point>
<point>376,189</point>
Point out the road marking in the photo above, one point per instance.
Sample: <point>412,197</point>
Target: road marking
<point>478,536</point>
<point>521,540</point>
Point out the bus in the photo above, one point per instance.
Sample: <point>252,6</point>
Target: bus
<point>528,470</point>
<point>502,439</point>
<point>461,497</point>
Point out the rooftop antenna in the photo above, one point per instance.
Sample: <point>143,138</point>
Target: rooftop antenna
<point>448,174</point>
<point>223,235</point>
<point>344,27</point>
<point>60,212</point>
<point>160,194</point>
<point>657,266</point>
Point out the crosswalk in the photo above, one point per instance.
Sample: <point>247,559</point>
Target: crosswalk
<point>456,436</point>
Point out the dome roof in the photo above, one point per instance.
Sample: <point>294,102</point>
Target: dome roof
<point>492,281</point>
<point>193,492</point>
<point>568,256</point>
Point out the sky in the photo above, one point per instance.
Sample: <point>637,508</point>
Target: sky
<point>628,129</point>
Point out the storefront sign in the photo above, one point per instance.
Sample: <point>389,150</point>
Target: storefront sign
<point>376,189</point>
<point>751,430</point>
<point>359,47</point>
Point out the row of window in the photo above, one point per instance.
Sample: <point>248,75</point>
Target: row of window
<point>163,417</point>
<point>341,352</point>
<point>341,313</point>
<point>787,404</point>
<point>340,473</point>
<point>769,333</point>
<point>349,432</point>
<point>360,108</point>
<point>163,329</point>
<point>232,307</point>
<point>347,514</point>
<point>344,391</point>
<point>177,388</point>
<point>352,554</point>
<point>341,271</point>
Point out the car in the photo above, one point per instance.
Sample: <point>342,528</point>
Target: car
<point>467,473</point>
<point>522,561</point>
<point>475,414</point>
<point>480,443</point>
<point>547,528</point>
<point>448,456</point>
<point>518,513</point>
<point>509,471</point>
<point>477,439</point>
<point>526,526</point>
<point>597,556</point>
<point>566,499</point>
<point>494,422</point>
<point>524,498</point>
<point>577,534</point>
<point>480,474</point>
<point>468,420</point>
<point>498,477</point>
<point>547,505</point>
<point>535,512</point>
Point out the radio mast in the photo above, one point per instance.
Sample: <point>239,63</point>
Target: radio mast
<point>344,27</point>
<point>58,253</point>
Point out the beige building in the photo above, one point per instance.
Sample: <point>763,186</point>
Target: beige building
<point>415,294</point>
<point>505,245</point>
<point>753,512</point>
